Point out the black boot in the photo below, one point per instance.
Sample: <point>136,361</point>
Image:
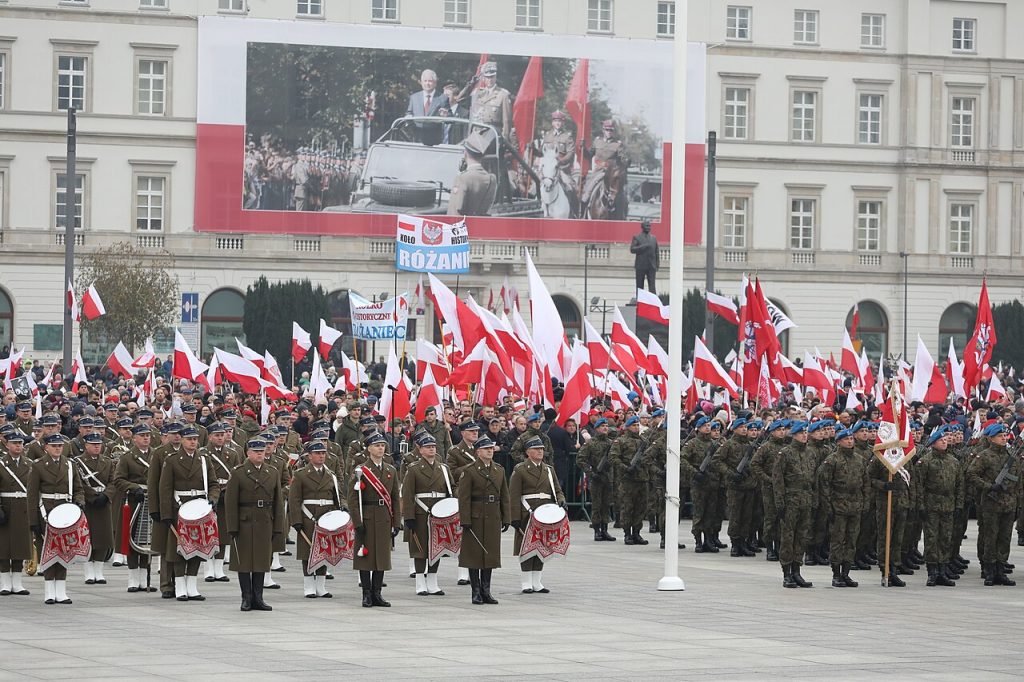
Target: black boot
<point>942,576</point>
<point>910,561</point>
<point>1020,539</point>
<point>739,544</point>
<point>376,582</point>
<point>931,575</point>
<point>245,583</point>
<point>735,551</point>
<point>597,533</point>
<point>773,551</point>
<point>718,543</point>
<point>629,539</point>
<point>810,559</point>
<point>947,571</point>
<point>604,534</point>
<point>837,576</point>
<point>850,582</point>
<point>894,579</point>
<point>1001,578</point>
<point>787,576</point>
<point>710,545</point>
<point>485,586</point>
<point>752,547</point>
<point>860,563</point>
<point>799,578</point>
<point>257,594</point>
<point>474,581</point>
<point>365,583</point>
<point>637,538</point>
<point>917,556</point>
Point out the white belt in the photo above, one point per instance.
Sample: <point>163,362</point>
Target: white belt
<point>55,496</point>
<point>534,496</point>
<point>222,481</point>
<point>98,489</point>
<point>143,486</point>
<point>318,503</point>
<point>431,495</point>
<point>178,494</point>
<point>16,496</point>
<point>427,496</point>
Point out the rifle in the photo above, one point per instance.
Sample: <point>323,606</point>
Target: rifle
<point>744,465</point>
<point>704,465</point>
<point>640,452</point>
<point>1004,474</point>
<point>602,465</point>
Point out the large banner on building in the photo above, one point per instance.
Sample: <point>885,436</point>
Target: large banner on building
<point>425,245</point>
<point>321,128</point>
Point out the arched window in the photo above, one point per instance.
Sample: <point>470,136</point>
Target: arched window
<point>569,312</point>
<point>341,319</point>
<point>6,321</point>
<point>957,323</point>
<point>872,329</point>
<point>784,336</point>
<point>221,319</point>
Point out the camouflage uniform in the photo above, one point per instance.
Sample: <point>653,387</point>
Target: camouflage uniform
<point>761,465</point>
<point>741,490</point>
<point>707,514</point>
<point>998,506</point>
<point>843,490</point>
<point>632,485</point>
<point>589,459</point>
<point>793,486</point>
<point>941,486</point>
<point>879,475</point>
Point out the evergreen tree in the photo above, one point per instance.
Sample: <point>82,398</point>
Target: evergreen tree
<point>270,309</point>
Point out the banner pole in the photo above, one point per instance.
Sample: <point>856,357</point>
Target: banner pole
<point>888,531</point>
<point>355,356</point>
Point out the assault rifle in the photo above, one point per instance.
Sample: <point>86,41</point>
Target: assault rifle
<point>1004,474</point>
<point>706,463</point>
<point>743,467</point>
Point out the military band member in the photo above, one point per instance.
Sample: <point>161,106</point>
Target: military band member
<point>371,502</point>
<point>97,473</point>
<point>533,484</point>
<point>224,462</point>
<point>171,446</point>
<point>130,479</point>
<point>254,508</point>
<point>485,515</point>
<point>15,537</point>
<point>51,426</point>
<point>460,457</point>
<point>185,476</point>
<point>314,491</point>
<point>594,459</point>
<point>425,482</point>
<point>53,481</point>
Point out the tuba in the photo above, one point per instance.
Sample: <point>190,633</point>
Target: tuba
<point>140,531</point>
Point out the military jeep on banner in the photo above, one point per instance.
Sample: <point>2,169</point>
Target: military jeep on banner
<point>411,169</point>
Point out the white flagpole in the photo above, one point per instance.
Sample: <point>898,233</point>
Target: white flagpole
<point>671,580</point>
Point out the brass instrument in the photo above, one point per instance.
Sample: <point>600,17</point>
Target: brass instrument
<point>140,535</point>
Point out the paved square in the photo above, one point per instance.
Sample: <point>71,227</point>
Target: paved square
<point>603,620</point>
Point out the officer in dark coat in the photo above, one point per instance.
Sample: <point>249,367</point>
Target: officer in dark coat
<point>372,502</point>
<point>484,511</point>
<point>15,537</point>
<point>254,506</point>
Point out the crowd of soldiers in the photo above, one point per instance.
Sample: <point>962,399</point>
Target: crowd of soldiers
<point>308,179</point>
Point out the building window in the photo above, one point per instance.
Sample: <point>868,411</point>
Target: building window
<point>149,203</point>
<point>737,22</point>
<point>71,73</point>
<point>872,30</point>
<point>384,10</point>
<point>456,12</point>
<point>666,19</point>
<point>60,203</point>
<point>152,92</point>
<point>599,16</point>
<point>873,330</point>
<point>152,4</point>
<point>869,119</point>
<point>805,27</point>
<point>734,222</point>
<point>805,104</point>
<point>801,223</point>
<point>737,108</point>
<point>221,320</point>
<point>956,325</point>
<point>962,122</point>
<point>231,5</point>
<point>310,8</point>
<point>869,225</point>
<point>963,35</point>
<point>528,14</point>
<point>961,228</point>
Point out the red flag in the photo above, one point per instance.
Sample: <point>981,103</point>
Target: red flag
<point>92,306</point>
<point>849,359</point>
<point>186,364</point>
<point>524,111</point>
<point>71,303</point>
<point>243,372</point>
<point>979,348</point>
<point>120,362</point>
<point>622,335</point>
<point>855,321</point>
<point>576,399</point>
<point>723,307</point>
<point>649,307</point>
<point>814,375</point>
<point>577,104</point>
<point>707,369</point>
<point>429,395</point>
<point>301,343</point>
<point>328,337</point>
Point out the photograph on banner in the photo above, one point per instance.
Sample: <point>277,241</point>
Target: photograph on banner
<point>368,129</point>
<point>379,320</point>
<point>425,245</point>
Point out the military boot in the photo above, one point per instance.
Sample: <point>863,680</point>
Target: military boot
<point>810,558</point>
<point>932,570</point>
<point>787,576</point>
<point>988,573</point>
<point>915,553</point>
<point>629,538</point>
<point>773,551</point>
<point>637,538</point>
<point>799,578</point>
<point>1001,578</point>
<point>860,563</point>
<point>837,576</point>
<point>662,546</point>
<point>698,544</point>
<point>947,571</point>
<point>942,576</point>
<point>604,534</point>
<point>1020,539</point>
<point>474,581</point>
<point>850,582</point>
<point>710,545</point>
<point>752,546</point>
<point>718,543</point>
<point>597,533</point>
<point>894,579</point>
<point>911,562</point>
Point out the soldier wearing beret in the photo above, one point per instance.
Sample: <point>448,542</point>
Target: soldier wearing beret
<point>533,484</point>
<point>53,481</point>
<point>843,490</point>
<point>633,478</point>
<point>185,476</point>
<point>941,486</point>
<point>485,514</point>
<point>761,465</point>
<point>97,473</point>
<point>254,507</point>
<point>372,504</point>
<point>793,485</point>
<point>424,484</point>
<point>15,537</point>
<point>998,498</point>
<point>595,461</point>
<point>315,490</point>
<point>130,479</point>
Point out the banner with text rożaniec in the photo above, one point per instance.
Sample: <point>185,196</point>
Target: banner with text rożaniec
<point>425,245</point>
<point>379,320</point>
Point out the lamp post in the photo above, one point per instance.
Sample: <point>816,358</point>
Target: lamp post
<point>600,305</point>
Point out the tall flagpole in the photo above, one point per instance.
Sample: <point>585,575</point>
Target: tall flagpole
<point>671,580</point>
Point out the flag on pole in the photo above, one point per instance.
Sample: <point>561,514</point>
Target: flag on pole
<point>722,306</point>
<point>92,306</point>
<point>186,364</point>
<point>72,303</point>
<point>650,307</point>
<point>301,342</point>
<point>855,321</point>
<point>707,369</point>
<point>120,362</point>
<point>524,111</point>
<point>577,105</point>
<point>979,348</point>
<point>328,337</point>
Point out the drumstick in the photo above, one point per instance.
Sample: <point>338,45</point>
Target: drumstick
<point>305,537</point>
<point>419,547</point>
<point>478,540</point>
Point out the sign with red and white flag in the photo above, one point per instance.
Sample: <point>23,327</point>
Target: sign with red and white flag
<point>894,442</point>
<point>328,337</point>
<point>301,342</point>
<point>723,306</point>
<point>650,307</point>
<point>92,306</point>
